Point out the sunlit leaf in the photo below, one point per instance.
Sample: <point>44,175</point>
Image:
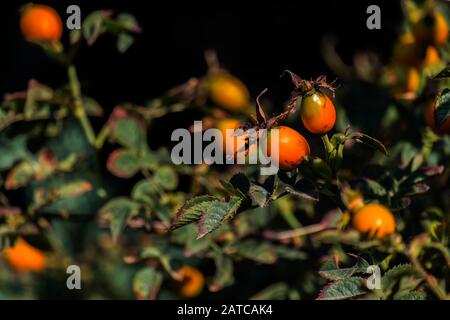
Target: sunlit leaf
<point>342,289</point>
<point>217,213</point>
<point>192,210</point>
<point>123,163</point>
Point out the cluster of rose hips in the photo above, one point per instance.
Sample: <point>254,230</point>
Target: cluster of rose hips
<point>40,23</point>
<point>419,50</point>
<point>420,53</point>
<point>318,115</point>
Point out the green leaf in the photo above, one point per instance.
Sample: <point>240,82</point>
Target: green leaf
<point>124,42</point>
<point>92,107</point>
<point>192,210</point>
<point>303,189</point>
<point>118,222</point>
<point>223,276</point>
<point>392,276</point>
<point>146,283</point>
<point>123,163</point>
<point>194,246</point>
<point>36,92</point>
<point>287,253</point>
<point>20,175</point>
<point>128,22</point>
<point>229,187</point>
<point>406,284</point>
<point>420,175</point>
<point>74,36</point>
<point>443,74</point>
<point>166,177</point>
<point>342,289</point>
<point>217,213</point>
<point>94,25</point>
<point>259,195</point>
<point>374,187</point>
<point>276,291</point>
<point>240,182</point>
<point>12,150</point>
<point>117,211</point>
<point>73,189</point>
<point>130,133</point>
<point>371,142</point>
<point>160,253</point>
<point>443,107</point>
<point>261,252</point>
<point>146,191</point>
<point>330,271</point>
<point>319,167</point>
<point>186,237</point>
<point>412,295</point>
<point>151,253</point>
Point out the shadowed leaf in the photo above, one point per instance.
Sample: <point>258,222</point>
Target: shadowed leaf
<point>146,283</point>
<point>443,107</point>
<point>276,291</point>
<point>443,74</point>
<point>116,212</point>
<point>370,141</point>
<point>224,271</point>
<point>261,252</point>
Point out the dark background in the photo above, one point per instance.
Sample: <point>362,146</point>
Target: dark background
<point>254,40</point>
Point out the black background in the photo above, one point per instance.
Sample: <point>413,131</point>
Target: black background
<point>254,40</point>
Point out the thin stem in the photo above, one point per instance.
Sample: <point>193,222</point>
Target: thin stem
<point>286,211</point>
<point>416,247</point>
<point>430,280</point>
<point>102,136</point>
<point>299,232</point>
<point>290,218</point>
<point>79,111</point>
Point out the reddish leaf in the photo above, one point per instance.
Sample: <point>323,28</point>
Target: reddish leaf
<point>123,163</point>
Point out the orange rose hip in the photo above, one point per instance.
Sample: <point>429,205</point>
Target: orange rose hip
<point>292,148</point>
<point>317,112</point>
<point>41,23</point>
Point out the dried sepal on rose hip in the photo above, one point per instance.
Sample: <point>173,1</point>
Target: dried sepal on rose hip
<point>317,111</point>
<point>293,148</point>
